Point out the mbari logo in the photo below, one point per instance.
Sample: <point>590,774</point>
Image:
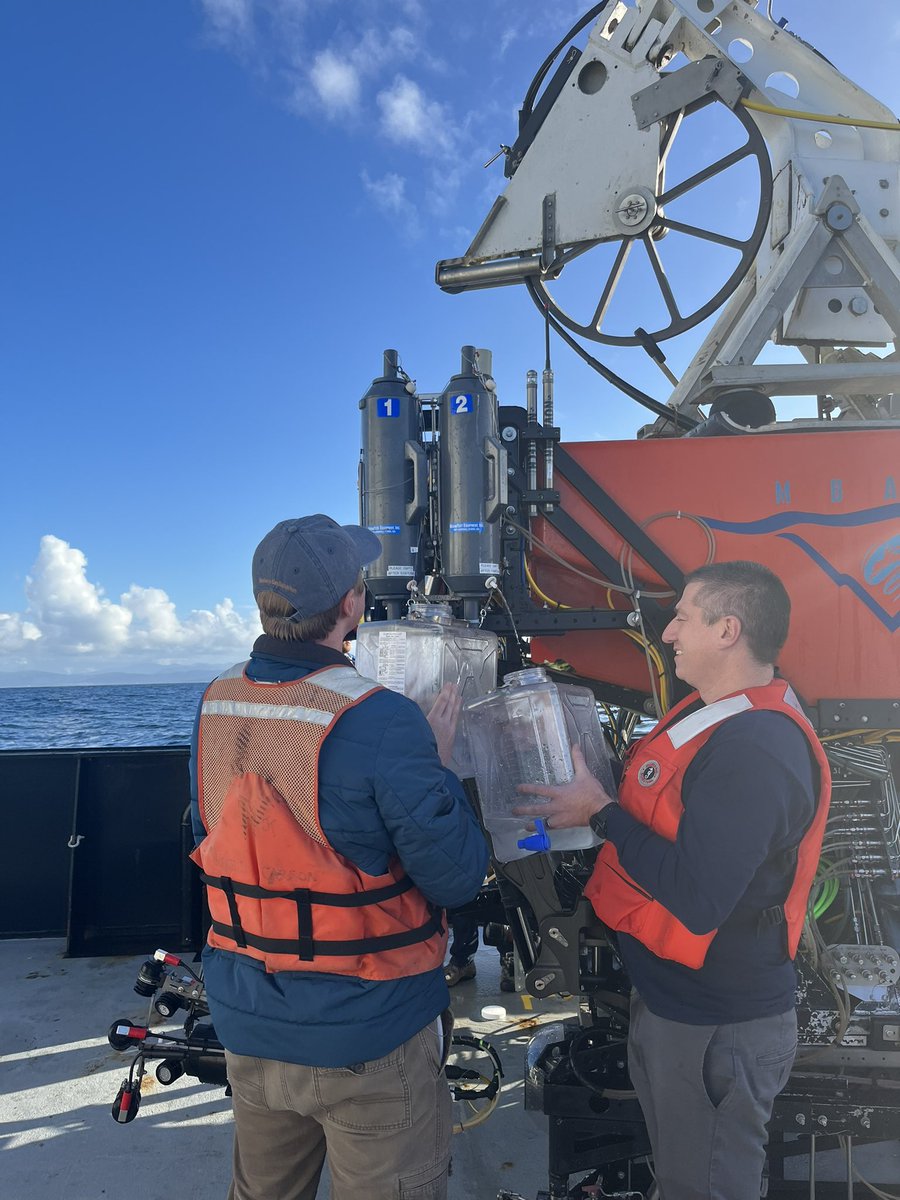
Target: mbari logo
<point>882,568</point>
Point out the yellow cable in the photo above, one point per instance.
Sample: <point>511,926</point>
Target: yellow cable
<point>635,637</point>
<point>823,118</point>
<point>542,595</point>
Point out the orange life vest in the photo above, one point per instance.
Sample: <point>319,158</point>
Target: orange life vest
<point>278,892</point>
<point>651,792</point>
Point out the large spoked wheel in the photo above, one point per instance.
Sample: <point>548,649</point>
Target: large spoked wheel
<point>622,305</point>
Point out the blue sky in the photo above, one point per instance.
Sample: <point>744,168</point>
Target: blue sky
<point>216,215</point>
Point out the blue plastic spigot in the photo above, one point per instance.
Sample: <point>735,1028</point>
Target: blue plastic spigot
<point>539,841</point>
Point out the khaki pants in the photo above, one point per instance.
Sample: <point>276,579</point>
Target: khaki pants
<point>384,1124</point>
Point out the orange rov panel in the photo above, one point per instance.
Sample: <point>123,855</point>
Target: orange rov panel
<point>819,507</point>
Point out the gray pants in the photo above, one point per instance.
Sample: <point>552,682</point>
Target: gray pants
<point>707,1093</point>
<point>385,1124</point>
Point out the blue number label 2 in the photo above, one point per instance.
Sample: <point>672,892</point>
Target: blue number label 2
<point>389,407</point>
<point>460,404</point>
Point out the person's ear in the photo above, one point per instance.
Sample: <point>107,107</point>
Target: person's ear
<point>731,631</point>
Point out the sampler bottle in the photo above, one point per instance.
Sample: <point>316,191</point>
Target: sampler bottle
<point>422,652</point>
<point>522,733</point>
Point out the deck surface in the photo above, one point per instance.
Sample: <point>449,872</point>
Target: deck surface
<point>59,1076</point>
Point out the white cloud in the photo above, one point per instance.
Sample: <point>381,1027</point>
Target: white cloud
<point>336,83</point>
<point>509,35</point>
<point>231,21</point>
<point>371,66</point>
<point>15,632</point>
<point>69,619</point>
<point>389,196</point>
<point>410,118</point>
<point>69,609</point>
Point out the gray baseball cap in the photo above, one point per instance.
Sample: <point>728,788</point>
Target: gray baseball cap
<point>312,562</point>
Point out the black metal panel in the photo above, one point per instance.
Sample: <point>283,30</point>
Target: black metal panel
<point>37,801</point>
<point>834,716</point>
<point>619,520</point>
<point>127,874</point>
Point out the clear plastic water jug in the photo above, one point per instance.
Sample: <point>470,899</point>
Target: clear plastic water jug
<point>522,733</point>
<point>422,652</point>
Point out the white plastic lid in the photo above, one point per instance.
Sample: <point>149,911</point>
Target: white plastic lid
<point>493,1012</point>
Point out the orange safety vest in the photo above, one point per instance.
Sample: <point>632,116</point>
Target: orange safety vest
<point>651,792</point>
<point>278,891</point>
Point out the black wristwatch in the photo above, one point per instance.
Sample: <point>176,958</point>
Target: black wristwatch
<point>599,819</point>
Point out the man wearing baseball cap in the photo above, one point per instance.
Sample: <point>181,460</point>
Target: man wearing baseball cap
<point>330,837</point>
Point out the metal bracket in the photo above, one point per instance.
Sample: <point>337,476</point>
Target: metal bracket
<point>678,91</point>
<point>548,235</point>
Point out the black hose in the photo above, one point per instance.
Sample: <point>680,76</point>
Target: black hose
<point>681,420</point>
<point>528,103</point>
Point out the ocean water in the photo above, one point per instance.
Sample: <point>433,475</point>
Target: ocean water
<point>51,718</point>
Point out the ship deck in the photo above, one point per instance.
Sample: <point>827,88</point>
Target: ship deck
<point>59,1077</point>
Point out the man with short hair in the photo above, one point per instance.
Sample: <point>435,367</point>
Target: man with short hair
<point>330,837</point>
<point>704,876</point>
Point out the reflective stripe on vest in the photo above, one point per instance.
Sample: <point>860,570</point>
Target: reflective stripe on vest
<point>277,890</point>
<point>299,715</point>
<point>651,792</point>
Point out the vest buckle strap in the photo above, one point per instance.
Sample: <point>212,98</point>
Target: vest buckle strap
<point>307,949</point>
<point>333,899</point>
<point>770,918</point>
<point>228,888</point>
<point>305,944</point>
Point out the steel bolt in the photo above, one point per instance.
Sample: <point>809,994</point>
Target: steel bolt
<point>800,1119</point>
<point>882,183</point>
<point>884,212</point>
<point>632,209</point>
<point>823,1120</point>
<point>838,217</point>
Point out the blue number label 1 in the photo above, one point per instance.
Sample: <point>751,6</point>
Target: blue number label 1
<point>460,404</point>
<point>389,407</point>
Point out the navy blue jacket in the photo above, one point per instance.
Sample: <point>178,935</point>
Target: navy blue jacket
<point>748,797</point>
<point>382,793</point>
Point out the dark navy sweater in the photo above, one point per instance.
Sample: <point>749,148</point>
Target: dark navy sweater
<point>748,797</point>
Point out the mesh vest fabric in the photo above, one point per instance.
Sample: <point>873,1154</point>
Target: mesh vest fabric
<point>278,892</point>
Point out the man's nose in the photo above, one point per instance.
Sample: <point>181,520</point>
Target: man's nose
<point>668,634</point>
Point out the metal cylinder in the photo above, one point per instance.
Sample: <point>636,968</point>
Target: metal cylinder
<point>547,380</point>
<point>392,483</point>
<point>472,479</point>
<point>531,452</point>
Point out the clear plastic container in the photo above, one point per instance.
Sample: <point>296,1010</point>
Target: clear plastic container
<point>422,652</point>
<point>522,733</point>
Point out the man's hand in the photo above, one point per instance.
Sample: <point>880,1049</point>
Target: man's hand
<point>569,805</point>
<point>444,718</point>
